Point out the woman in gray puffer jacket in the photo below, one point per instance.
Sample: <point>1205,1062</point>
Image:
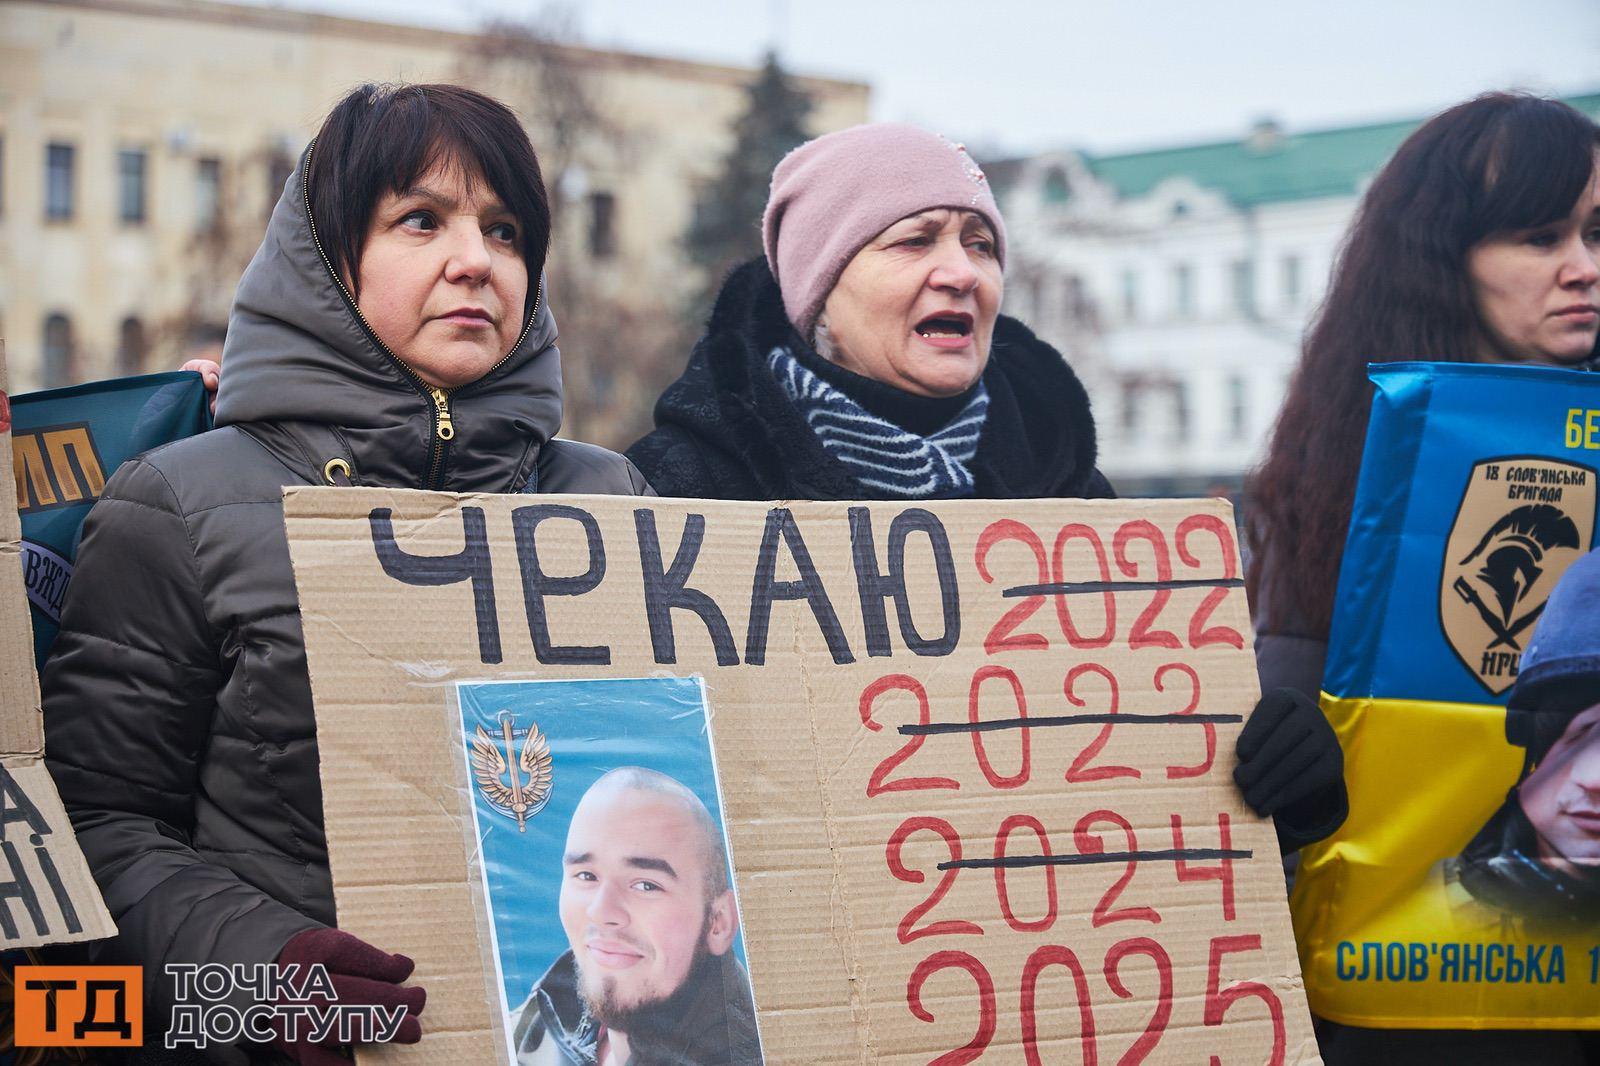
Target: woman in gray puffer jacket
<point>390,331</point>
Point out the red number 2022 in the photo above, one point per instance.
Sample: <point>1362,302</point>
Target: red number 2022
<point>1007,634</point>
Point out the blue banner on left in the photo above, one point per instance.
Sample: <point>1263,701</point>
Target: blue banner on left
<point>66,443</point>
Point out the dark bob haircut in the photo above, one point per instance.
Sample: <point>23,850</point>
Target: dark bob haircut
<point>380,138</point>
<point>1504,162</point>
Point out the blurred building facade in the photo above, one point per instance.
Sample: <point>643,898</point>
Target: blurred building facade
<point>144,142</point>
<point>1178,283</point>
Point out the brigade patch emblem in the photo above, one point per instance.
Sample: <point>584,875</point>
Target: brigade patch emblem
<point>516,785</point>
<point>1521,523</point>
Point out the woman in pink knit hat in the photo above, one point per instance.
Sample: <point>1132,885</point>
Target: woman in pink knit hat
<point>864,357</point>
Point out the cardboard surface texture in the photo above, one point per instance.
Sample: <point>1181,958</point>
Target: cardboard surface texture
<point>47,895</point>
<point>974,757</point>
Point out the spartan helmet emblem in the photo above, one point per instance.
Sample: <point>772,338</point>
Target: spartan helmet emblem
<point>1511,554</point>
<point>1520,523</point>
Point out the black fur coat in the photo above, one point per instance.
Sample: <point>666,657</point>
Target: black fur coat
<point>726,430</point>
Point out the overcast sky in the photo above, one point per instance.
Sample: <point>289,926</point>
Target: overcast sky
<point>1102,74</point>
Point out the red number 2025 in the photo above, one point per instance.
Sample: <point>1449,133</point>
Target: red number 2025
<point>1218,999</point>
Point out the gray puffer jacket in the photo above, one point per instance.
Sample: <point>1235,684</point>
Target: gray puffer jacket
<point>177,703</point>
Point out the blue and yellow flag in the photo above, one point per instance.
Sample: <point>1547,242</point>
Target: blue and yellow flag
<point>1477,491</point>
<point>65,444</point>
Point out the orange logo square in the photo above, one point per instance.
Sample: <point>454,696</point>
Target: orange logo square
<point>79,1006</point>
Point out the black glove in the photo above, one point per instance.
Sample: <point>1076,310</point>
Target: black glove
<point>1292,768</point>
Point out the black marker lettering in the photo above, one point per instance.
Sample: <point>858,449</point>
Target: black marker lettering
<point>471,563</point>
<point>536,584</point>
<point>668,590</point>
<point>766,588</point>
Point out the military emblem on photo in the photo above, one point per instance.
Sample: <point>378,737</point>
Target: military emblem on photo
<point>1522,521</point>
<point>518,782</point>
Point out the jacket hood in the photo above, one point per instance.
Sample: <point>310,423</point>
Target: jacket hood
<point>298,353</point>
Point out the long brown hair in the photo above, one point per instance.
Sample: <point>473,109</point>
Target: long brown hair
<point>1504,161</point>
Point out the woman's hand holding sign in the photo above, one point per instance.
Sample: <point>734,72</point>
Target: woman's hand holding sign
<point>361,976</point>
<point>1291,767</point>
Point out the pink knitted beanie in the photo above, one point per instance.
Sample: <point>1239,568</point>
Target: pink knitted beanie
<point>832,195</point>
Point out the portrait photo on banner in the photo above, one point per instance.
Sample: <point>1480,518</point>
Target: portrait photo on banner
<point>605,865</point>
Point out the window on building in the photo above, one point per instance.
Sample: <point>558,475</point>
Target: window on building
<point>59,163</point>
<point>131,185</point>
<point>131,347</point>
<point>1291,281</point>
<point>1130,408</point>
<point>602,225</point>
<point>1183,290</point>
<point>1180,412</point>
<point>59,357</point>
<point>208,195</point>
<point>1243,272</point>
<point>1238,407</point>
<point>1130,295</point>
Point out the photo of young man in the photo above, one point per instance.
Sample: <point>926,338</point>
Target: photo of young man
<point>649,978</point>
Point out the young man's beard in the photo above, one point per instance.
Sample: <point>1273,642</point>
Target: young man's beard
<point>660,1016</point>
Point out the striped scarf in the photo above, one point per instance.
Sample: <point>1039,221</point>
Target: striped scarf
<point>879,454</point>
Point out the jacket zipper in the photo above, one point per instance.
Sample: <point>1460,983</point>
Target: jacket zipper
<point>443,422</point>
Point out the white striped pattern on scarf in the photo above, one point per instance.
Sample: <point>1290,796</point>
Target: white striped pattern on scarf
<point>878,453</point>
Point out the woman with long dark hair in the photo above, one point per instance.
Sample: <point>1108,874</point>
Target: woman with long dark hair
<point>1478,242</point>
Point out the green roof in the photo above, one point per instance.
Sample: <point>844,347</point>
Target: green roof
<point>1295,166</point>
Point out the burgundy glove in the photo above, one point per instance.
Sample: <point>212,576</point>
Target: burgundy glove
<point>361,974</point>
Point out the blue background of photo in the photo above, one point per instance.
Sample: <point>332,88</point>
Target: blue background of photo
<point>593,726</point>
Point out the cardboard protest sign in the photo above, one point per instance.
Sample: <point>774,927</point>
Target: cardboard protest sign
<point>970,762</point>
<point>1434,905</point>
<point>65,444</point>
<point>47,895</point>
